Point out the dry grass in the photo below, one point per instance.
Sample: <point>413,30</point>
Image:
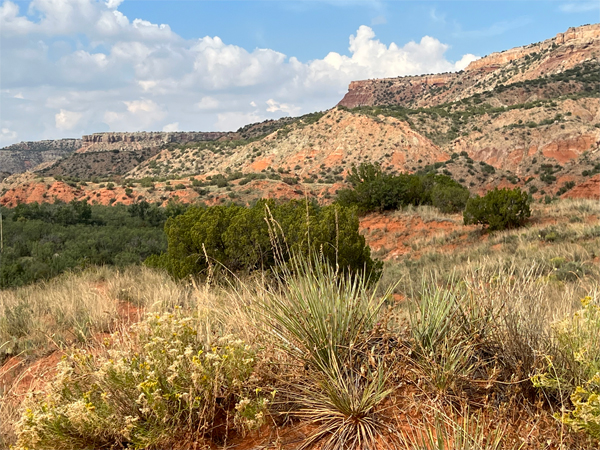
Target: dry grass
<point>449,366</point>
<point>50,315</point>
<point>427,213</point>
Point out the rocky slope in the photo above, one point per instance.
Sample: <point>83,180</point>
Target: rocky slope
<point>25,156</point>
<point>552,56</point>
<point>335,142</point>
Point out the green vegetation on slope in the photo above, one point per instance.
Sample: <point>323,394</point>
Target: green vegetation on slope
<point>42,241</point>
<point>374,190</point>
<point>245,239</point>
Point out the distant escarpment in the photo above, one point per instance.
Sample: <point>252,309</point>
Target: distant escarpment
<point>25,156</point>
<point>99,142</point>
<point>112,153</point>
<point>553,56</point>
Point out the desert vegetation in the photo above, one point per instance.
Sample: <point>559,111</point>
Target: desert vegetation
<point>490,347</point>
<point>43,240</point>
<point>241,239</point>
<point>372,189</point>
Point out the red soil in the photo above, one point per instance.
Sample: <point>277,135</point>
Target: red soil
<point>588,189</point>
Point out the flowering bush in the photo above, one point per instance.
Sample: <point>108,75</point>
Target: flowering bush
<point>161,383</point>
<point>578,338</point>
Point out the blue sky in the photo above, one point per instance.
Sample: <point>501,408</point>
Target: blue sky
<point>72,67</point>
<point>310,29</point>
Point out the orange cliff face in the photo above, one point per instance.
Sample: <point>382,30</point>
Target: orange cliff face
<point>365,92</point>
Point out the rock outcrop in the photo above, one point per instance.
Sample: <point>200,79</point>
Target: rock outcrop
<point>25,156</point>
<point>555,55</point>
<point>98,142</point>
<point>588,189</point>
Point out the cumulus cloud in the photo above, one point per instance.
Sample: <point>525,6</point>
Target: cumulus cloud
<point>136,75</point>
<point>7,136</point>
<point>171,127</point>
<point>208,102</point>
<point>274,106</point>
<point>67,120</point>
<point>465,61</point>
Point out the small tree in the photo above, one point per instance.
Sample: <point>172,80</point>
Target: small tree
<point>499,209</point>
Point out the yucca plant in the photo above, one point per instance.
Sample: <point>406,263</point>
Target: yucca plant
<point>323,319</point>
<point>346,405</point>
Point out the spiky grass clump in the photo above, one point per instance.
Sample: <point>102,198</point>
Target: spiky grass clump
<point>463,430</point>
<point>346,405</point>
<point>323,318</point>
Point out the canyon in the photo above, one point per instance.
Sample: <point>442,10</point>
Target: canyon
<point>527,117</point>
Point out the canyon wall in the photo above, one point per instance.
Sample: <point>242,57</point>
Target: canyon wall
<point>571,36</point>
<point>142,139</point>
<point>25,156</point>
<point>574,46</point>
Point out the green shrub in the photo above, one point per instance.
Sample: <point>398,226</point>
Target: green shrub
<point>242,240</point>
<point>374,190</point>
<point>499,209</point>
<point>449,198</point>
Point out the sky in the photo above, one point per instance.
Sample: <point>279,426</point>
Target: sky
<point>74,67</point>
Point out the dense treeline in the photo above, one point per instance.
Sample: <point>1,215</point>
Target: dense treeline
<point>44,240</point>
<point>244,239</point>
<point>374,190</point>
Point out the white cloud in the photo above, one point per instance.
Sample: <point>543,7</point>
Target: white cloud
<point>208,103</point>
<point>146,85</point>
<point>135,75</point>
<point>465,61</point>
<point>171,127</point>
<point>142,107</point>
<point>578,7</point>
<point>113,4</point>
<point>274,106</point>
<point>231,121</point>
<point>7,136</point>
<point>67,120</point>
